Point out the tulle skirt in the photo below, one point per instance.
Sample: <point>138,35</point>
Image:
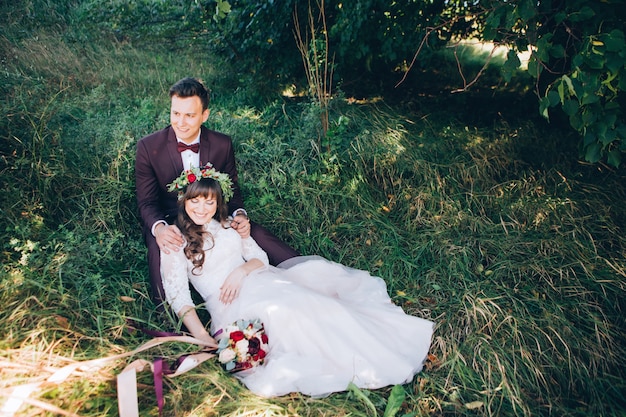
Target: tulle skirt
<point>328,326</point>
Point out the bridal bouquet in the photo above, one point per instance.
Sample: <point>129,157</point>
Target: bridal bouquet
<point>242,345</point>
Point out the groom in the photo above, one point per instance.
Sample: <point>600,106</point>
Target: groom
<point>162,156</point>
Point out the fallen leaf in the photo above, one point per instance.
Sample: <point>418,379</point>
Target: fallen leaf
<point>62,321</point>
<point>474,405</point>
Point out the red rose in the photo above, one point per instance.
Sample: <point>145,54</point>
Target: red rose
<point>191,178</point>
<point>264,338</point>
<point>261,353</point>
<point>253,345</point>
<point>237,336</point>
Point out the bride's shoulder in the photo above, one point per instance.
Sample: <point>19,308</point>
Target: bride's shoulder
<point>215,225</point>
<point>218,228</point>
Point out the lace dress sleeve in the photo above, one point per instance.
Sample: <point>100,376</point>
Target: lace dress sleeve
<point>251,250</point>
<point>175,280</point>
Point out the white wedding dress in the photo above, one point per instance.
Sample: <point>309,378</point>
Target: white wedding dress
<point>327,324</point>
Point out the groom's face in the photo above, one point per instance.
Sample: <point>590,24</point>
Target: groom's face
<point>187,116</point>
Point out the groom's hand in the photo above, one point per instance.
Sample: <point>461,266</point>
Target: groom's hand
<point>241,224</point>
<point>168,237</point>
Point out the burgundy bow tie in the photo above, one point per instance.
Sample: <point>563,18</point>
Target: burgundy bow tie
<point>184,147</point>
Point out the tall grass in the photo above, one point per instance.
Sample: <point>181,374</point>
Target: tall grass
<point>493,231</point>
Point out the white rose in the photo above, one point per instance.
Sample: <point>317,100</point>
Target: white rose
<point>249,332</point>
<point>242,348</point>
<point>226,355</point>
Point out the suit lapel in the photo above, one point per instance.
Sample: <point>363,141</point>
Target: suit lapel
<point>172,151</point>
<point>205,146</point>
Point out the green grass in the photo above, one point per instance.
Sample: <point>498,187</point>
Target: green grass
<point>487,225</point>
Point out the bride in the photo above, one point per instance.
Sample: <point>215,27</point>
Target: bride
<point>328,325</point>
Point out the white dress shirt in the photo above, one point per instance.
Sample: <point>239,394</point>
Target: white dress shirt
<point>190,158</point>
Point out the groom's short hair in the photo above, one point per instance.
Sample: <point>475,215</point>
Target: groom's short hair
<point>190,87</point>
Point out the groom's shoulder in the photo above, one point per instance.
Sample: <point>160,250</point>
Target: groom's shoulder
<point>214,136</point>
<point>155,138</point>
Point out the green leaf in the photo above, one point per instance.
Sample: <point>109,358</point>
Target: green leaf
<point>554,98</point>
<point>534,68</point>
<point>614,41</point>
<point>614,158</point>
<point>585,13</point>
<point>607,136</point>
<point>544,45</point>
<point>561,91</point>
<point>510,65</point>
<point>621,132</point>
<point>492,23</point>
<point>600,130</point>
<point>593,153</point>
<point>544,104</point>
<point>362,396</point>
<point>576,121</point>
<point>614,63</point>
<point>578,60</point>
<point>612,105</point>
<point>570,107</point>
<point>526,10</point>
<point>589,138</point>
<point>222,8</point>
<point>521,44</point>
<point>394,403</point>
<point>589,98</point>
<point>510,17</point>
<point>595,61</point>
<point>557,51</point>
<point>570,85</point>
<point>589,116</point>
<point>609,118</point>
<point>560,17</point>
<point>577,86</point>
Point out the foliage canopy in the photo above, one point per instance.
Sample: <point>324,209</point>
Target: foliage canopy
<point>578,52</point>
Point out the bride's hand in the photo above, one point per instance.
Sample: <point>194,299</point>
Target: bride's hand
<point>206,338</point>
<point>232,285</point>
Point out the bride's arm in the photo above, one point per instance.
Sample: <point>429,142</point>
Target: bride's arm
<point>175,280</point>
<point>193,323</point>
<point>178,295</point>
<point>250,250</point>
<point>232,285</point>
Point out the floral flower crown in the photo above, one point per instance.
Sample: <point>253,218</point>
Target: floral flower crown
<point>194,174</point>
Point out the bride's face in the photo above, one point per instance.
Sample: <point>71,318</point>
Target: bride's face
<point>201,209</point>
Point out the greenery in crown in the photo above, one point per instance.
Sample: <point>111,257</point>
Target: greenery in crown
<point>194,174</point>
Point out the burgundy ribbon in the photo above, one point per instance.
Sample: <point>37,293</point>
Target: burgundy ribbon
<point>158,382</point>
<point>160,366</point>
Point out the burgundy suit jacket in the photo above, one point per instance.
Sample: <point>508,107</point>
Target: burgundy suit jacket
<point>158,163</point>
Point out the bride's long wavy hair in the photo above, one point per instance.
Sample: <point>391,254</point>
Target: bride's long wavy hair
<point>194,233</point>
